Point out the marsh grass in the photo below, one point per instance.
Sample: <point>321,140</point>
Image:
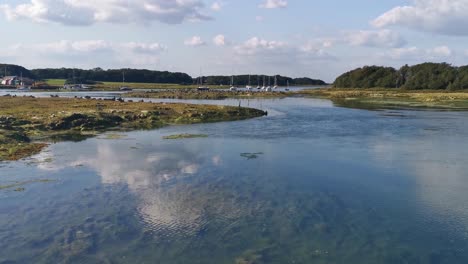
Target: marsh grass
<point>393,98</point>
<point>25,119</point>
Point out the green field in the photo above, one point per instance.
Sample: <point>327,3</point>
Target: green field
<point>55,82</point>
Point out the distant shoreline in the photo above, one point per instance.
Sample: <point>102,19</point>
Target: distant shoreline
<point>385,98</point>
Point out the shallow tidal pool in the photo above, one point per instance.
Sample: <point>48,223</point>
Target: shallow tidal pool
<point>310,183</point>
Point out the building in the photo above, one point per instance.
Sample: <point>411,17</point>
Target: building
<point>16,81</point>
<point>10,80</point>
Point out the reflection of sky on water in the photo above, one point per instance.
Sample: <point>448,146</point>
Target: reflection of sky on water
<point>161,174</point>
<point>437,163</point>
<point>351,169</point>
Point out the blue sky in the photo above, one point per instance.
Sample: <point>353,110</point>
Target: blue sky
<point>319,39</point>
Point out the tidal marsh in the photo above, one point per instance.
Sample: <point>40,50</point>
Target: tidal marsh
<point>24,120</point>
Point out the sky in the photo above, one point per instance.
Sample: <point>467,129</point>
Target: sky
<point>317,39</point>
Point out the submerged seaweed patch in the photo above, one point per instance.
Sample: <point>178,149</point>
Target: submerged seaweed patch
<point>250,156</point>
<point>18,185</point>
<point>185,136</point>
<point>114,136</point>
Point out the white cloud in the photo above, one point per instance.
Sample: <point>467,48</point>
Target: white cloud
<point>90,46</point>
<point>217,6</point>
<point>271,4</point>
<point>447,17</point>
<point>259,18</point>
<point>220,40</point>
<point>257,45</point>
<point>61,53</point>
<point>194,41</point>
<point>317,49</point>
<point>375,38</point>
<point>418,54</point>
<point>88,12</point>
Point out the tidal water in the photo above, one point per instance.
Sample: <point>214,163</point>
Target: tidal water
<point>310,183</point>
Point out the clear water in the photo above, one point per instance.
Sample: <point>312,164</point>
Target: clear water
<point>326,185</point>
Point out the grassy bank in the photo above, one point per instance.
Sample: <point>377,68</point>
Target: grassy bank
<point>27,124</point>
<point>207,95</point>
<point>393,98</point>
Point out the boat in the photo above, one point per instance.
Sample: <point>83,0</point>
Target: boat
<point>287,85</point>
<point>123,87</point>
<point>263,87</point>
<point>258,82</point>
<point>276,83</point>
<point>201,87</point>
<point>248,85</point>
<point>23,87</point>
<point>232,84</point>
<point>268,88</point>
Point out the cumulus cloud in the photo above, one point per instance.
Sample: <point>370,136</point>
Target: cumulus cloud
<point>220,40</point>
<point>257,45</point>
<point>88,12</point>
<point>62,52</point>
<point>418,54</point>
<point>441,16</point>
<point>90,46</point>
<point>317,49</point>
<point>272,4</point>
<point>270,55</point>
<point>194,41</point>
<point>375,38</point>
<point>217,6</point>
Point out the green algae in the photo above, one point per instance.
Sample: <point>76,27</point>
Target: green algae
<point>19,185</point>
<point>185,136</point>
<point>250,156</point>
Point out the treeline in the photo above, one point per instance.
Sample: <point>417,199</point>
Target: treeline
<point>241,80</point>
<point>113,75</point>
<point>14,70</point>
<point>432,76</point>
<point>97,75</point>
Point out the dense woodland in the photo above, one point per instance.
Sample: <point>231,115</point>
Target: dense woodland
<point>432,76</point>
<point>14,70</point>
<point>112,75</point>
<point>97,75</point>
<point>255,80</point>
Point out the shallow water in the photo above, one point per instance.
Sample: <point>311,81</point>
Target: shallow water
<point>310,183</point>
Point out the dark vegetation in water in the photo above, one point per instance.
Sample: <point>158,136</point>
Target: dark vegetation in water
<point>250,156</point>
<point>25,119</point>
<point>254,225</point>
<point>425,76</point>
<point>185,136</point>
<point>19,185</point>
